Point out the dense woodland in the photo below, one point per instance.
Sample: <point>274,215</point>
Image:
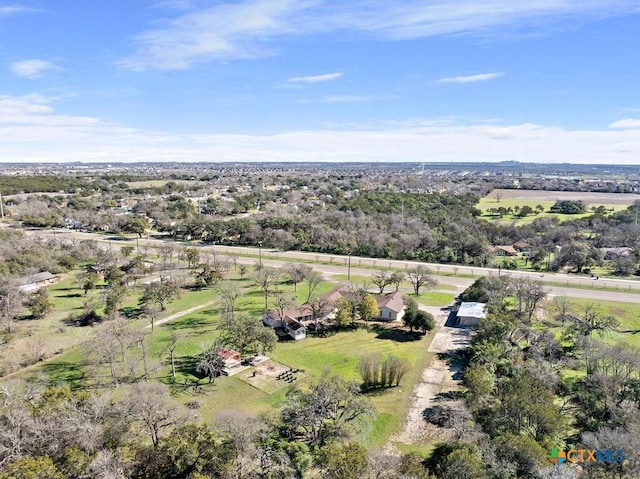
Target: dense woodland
<point>432,227</point>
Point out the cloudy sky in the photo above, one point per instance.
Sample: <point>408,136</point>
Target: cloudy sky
<point>320,80</point>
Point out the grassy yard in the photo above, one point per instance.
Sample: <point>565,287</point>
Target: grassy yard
<point>340,353</point>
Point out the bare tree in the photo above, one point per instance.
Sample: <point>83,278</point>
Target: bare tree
<point>297,272</point>
<point>529,293</point>
<point>319,308</point>
<point>381,279</point>
<point>313,280</point>
<point>265,278</point>
<point>151,405</point>
<point>243,431</point>
<point>211,363</point>
<point>173,344</point>
<point>397,277</point>
<point>10,303</point>
<point>420,276</point>
<point>591,321</point>
<point>229,293</point>
<point>281,302</point>
<point>562,307</point>
<point>242,270</point>
<point>151,311</point>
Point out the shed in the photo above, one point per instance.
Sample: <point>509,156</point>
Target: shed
<point>470,313</point>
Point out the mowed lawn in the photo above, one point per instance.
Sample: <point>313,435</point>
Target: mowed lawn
<point>339,353</point>
<point>628,332</point>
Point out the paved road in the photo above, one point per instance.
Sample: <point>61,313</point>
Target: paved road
<point>362,267</point>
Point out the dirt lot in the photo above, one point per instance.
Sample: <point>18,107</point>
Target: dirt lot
<point>437,379</point>
<point>267,374</point>
<point>587,197</point>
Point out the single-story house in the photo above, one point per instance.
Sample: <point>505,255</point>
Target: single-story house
<point>470,313</point>
<point>504,250</point>
<point>289,322</point>
<point>33,282</point>
<point>523,247</point>
<point>391,306</point>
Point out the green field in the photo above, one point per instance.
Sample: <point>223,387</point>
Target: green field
<point>340,353</point>
<point>490,202</point>
<point>627,313</point>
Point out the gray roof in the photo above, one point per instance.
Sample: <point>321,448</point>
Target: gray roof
<point>472,310</point>
<point>35,278</point>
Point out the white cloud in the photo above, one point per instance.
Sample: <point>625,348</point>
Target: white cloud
<point>32,131</point>
<point>247,28</point>
<point>11,10</point>
<point>33,68</point>
<point>627,123</point>
<point>315,78</point>
<point>471,78</point>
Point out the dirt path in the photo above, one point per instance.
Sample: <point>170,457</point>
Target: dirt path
<point>180,314</point>
<point>437,377</point>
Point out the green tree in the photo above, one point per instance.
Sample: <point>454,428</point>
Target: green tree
<point>344,314</point>
<point>480,383</point>
<point>159,292</point>
<point>424,321</point>
<point>329,409</point>
<point>527,407</point>
<point>39,304</point>
<point>369,308</point>
<point>136,224</point>
<point>191,451</point>
<point>247,334</point>
<point>348,461</point>
<point>29,467</point>
<point>410,310</point>
<point>456,460</point>
<point>578,254</point>
<point>211,363</point>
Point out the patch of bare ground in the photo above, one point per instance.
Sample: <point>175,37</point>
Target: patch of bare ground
<point>437,408</point>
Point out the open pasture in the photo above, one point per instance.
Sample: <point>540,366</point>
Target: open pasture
<point>516,199</point>
<point>591,198</point>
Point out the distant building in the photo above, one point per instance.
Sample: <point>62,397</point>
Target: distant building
<point>33,282</point>
<point>615,253</point>
<point>504,250</point>
<point>470,314</point>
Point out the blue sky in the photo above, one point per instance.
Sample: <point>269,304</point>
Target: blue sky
<point>320,80</point>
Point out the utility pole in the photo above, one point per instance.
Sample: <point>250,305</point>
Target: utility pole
<point>2,209</point>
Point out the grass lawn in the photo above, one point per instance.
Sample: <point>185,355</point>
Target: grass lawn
<point>490,202</point>
<point>340,353</point>
<point>627,313</point>
<point>435,298</point>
